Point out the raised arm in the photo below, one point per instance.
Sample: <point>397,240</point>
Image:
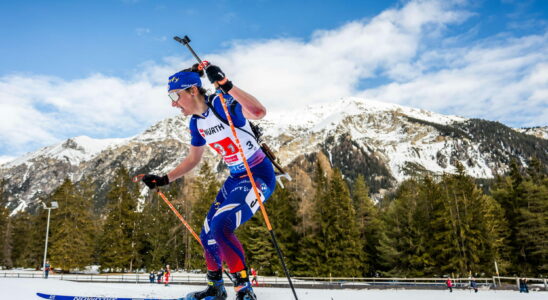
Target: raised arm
<point>251,107</point>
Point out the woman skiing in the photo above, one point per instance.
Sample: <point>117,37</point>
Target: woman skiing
<point>236,202</point>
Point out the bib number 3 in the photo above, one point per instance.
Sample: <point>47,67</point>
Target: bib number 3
<point>224,147</point>
<point>252,201</point>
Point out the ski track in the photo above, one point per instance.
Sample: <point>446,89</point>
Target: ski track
<point>26,289</point>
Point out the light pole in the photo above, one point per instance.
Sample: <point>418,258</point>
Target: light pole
<point>54,205</point>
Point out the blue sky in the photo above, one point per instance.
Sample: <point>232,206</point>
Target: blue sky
<point>98,68</point>
<point>73,39</point>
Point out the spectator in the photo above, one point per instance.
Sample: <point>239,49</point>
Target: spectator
<point>255,280</point>
<point>449,284</point>
<point>159,276</point>
<point>474,285</point>
<point>167,273</point>
<point>47,269</point>
<point>523,285</point>
<point>151,276</point>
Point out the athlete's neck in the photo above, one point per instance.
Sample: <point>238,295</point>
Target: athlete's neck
<point>201,107</point>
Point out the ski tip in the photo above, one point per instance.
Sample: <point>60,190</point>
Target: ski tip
<point>192,297</point>
<point>59,297</point>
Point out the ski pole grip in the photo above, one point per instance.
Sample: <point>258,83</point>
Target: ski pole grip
<point>185,41</point>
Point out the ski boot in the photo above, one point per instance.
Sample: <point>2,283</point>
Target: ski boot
<point>215,288</point>
<point>242,286</point>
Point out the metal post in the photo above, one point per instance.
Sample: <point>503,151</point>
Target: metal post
<point>497,270</point>
<point>54,205</point>
<point>517,282</point>
<point>46,246</point>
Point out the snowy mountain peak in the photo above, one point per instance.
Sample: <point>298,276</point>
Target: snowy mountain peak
<point>73,150</point>
<point>540,132</point>
<point>170,128</point>
<point>385,142</point>
<point>322,116</point>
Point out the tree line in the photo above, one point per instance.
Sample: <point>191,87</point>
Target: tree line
<point>429,226</point>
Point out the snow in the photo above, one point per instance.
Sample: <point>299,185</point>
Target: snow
<point>371,124</point>
<point>540,132</point>
<point>74,150</point>
<point>26,288</point>
<point>5,159</point>
<point>322,116</point>
<point>170,128</point>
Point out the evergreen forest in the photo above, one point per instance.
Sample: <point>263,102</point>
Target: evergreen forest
<point>326,225</point>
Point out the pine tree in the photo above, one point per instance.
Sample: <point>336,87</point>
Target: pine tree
<point>312,247</point>
<point>369,225</point>
<point>26,250</point>
<point>282,209</point>
<point>118,244</point>
<point>72,228</point>
<point>504,194</point>
<point>6,232</point>
<point>536,171</point>
<point>532,231</point>
<point>472,230</point>
<point>404,245</point>
<point>340,231</point>
<point>154,232</point>
<point>30,237</point>
<point>259,251</point>
<point>524,201</point>
<point>333,247</point>
<point>429,211</point>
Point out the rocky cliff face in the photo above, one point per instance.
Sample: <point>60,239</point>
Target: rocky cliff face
<point>384,142</point>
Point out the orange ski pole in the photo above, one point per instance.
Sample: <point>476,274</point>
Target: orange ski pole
<point>139,177</point>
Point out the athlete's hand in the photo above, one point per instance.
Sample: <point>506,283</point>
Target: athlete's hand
<point>216,75</point>
<point>153,181</point>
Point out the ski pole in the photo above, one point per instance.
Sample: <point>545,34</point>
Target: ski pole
<point>185,41</point>
<point>140,177</point>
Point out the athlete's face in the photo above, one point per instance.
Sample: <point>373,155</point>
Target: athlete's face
<point>184,101</point>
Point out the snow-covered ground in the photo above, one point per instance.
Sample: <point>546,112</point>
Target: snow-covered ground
<point>26,288</point>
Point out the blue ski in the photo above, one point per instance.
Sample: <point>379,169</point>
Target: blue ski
<point>60,297</point>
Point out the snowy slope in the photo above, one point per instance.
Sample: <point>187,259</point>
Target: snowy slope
<point>540,132</point>
<point>324,116</point>
<point>74,151</point>
<point>378,126</point>
<point>25,289</point>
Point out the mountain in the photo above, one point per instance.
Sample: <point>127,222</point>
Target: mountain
<point>540,132</point>
<point>385,142</point>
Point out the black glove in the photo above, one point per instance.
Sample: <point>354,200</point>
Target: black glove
<point>153,181</point>
<point>215,74</point>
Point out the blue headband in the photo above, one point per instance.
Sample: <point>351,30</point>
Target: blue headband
<point>184,80</point>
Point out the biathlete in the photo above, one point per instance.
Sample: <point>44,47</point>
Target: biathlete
<point>236,202</point>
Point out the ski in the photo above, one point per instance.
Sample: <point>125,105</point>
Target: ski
<point>61,297</point>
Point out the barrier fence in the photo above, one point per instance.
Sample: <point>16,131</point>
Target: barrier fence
<point>497,282</point>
